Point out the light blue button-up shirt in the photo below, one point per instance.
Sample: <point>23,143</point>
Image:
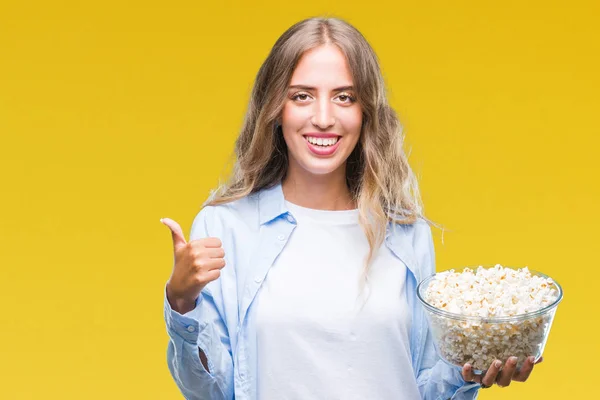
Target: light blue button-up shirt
<point>253,231</point>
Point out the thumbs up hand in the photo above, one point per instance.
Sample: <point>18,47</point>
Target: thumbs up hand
<point>196,264</point>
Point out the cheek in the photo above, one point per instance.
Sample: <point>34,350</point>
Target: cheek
<point>352,120</point>
<point>291,123</point>
<point>285,114</point>
<point>291,115</point>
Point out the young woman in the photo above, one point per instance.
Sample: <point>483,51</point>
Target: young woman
<point>299,278</point>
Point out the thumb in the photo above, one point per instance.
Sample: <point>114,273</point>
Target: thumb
<point>176,232</point>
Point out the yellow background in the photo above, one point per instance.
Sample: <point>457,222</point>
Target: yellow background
<point>115,114</point>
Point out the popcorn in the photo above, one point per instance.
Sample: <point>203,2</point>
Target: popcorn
<point>488,298</point>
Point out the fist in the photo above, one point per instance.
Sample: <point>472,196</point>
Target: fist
<point>195,265</point>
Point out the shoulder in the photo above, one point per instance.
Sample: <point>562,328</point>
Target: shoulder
<point>422,229</point>
<point>423,247</point>
<point>414,231</point>
<point>212,220</point>
<point>415,240</point>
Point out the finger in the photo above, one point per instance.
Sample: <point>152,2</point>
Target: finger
<point>212,275</point>
<point>540,360</point>
<point>492,373</point>
<point>505,376</point>
<point>176,233</point>
<point>211,242</point>
<point>214,252</point>
<point>467,373</point>
<point>525,370</point>
<point>213,263</point>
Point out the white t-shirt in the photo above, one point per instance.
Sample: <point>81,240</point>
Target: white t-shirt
<point>314,341</point>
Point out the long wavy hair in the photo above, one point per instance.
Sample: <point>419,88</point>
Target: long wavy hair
<point>378,175</point>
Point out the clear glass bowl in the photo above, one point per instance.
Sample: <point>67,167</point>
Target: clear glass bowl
<point>461,339</point>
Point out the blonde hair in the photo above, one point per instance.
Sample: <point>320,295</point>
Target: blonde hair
<point>378,175</point>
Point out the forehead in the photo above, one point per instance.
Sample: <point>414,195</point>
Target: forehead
<point>322,66</point>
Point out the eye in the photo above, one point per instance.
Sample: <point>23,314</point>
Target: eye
<point>346,98</point>
<point>301,97</point>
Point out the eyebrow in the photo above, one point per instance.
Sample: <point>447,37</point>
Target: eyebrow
<point>305,87</point>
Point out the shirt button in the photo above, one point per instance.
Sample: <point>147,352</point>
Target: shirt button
<point>191,328</point>
<point>258,279</point>
<point>281,237</point>
<point>290,219</point>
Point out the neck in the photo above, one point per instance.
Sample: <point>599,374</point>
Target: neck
<point>320,192</point>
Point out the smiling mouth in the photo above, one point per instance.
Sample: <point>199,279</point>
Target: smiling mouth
<point>322,142</point>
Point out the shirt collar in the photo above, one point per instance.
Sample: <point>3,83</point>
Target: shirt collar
<point>271,204</point>
<point>400,242</point>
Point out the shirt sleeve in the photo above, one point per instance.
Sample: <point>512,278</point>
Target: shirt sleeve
<point>436,379</point>
<point>201,328</point>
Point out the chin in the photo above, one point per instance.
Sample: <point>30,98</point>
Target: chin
<point>321,169</point>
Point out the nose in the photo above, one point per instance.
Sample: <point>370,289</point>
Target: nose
<point>323,117</point>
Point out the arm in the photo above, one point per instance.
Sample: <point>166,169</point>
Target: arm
<point>436,379</point>
<point>183,308</point>
<point>199,353</point>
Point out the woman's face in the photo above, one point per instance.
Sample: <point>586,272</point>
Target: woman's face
<point>321,119</point>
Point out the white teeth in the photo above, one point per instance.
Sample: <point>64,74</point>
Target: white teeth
<point>322,141</point>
